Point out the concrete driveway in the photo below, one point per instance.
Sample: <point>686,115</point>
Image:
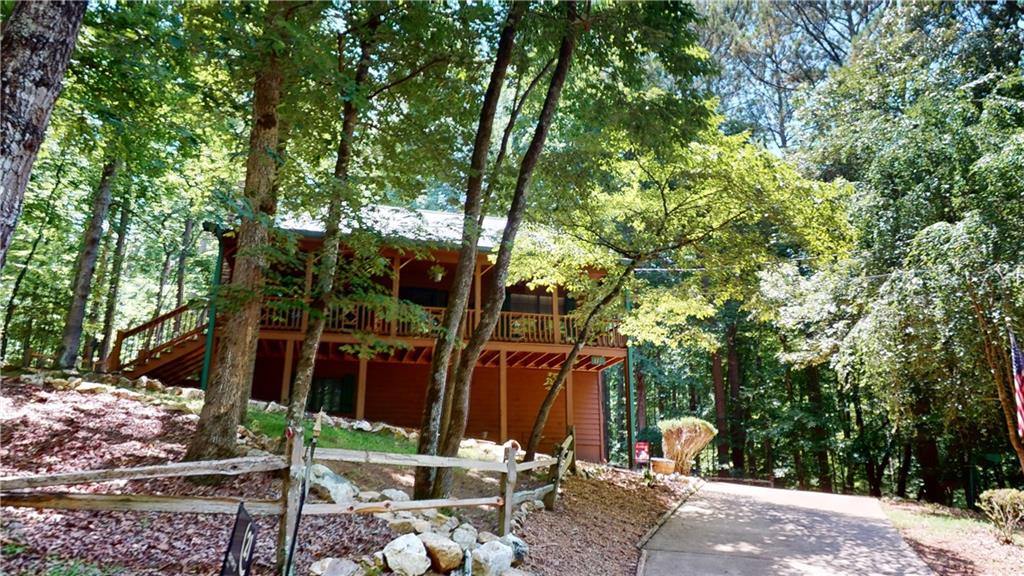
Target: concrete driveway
<point>741,530</point>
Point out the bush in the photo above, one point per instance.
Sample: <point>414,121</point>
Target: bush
<point>651,434</point>
<point>684,438</point>
<point>1006,510</point>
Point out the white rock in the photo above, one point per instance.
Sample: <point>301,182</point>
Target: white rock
<point>409,525</point>
<point>485,537</point>
<point>445,554</point>
<point>362,425</point>
<point>492,559</point>
<point>465,536</point>
<point>334,567</point>
<point>275,408</point>
<point>394,495</point>
<point>519,548</point>
<point>329,485</point>
<point>94,388</point>
<point>257,404</point>
<point>33,379</point>
<point>368,496</point>
<point>407,556</point>
<point>192,393</point>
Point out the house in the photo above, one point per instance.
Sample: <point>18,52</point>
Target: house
<point>533,336</point>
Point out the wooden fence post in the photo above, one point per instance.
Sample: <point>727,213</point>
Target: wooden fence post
<point>508,490</point>
<point>572,460</point>
<point>291,492</point>
<point>555,478</point>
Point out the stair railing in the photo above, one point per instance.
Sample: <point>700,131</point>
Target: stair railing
<point>137,345</point>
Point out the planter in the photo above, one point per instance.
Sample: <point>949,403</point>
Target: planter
<point>663,465</point>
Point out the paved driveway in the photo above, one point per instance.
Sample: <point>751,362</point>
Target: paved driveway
<point>745,530</point>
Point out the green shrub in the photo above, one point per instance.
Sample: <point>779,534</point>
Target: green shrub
<point>684,438</point>
<point>651,434</point>
<point>1006,510</point>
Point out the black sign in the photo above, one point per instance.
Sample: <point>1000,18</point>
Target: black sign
<point>238,558</point>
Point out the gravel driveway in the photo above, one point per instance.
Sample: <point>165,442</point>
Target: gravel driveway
<point>745,530</point>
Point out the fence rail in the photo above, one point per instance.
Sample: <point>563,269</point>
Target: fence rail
<point>292,467</point>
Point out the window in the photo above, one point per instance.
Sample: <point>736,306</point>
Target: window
<point>424,296</point>
<point>333,395</point>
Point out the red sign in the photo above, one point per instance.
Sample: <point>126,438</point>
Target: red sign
<point>642,453</point>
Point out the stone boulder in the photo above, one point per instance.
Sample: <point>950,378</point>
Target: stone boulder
<point>275,408</point>
<point>335,567</point>
<point>331,486</point>
<point>394,495</point>
<point>492,559</point>
<point>368,496</point>
<point>94,388</point>
<point>519,548</point>
<point>192,393</point>
<point>444,553</point>
<point>407,556</point>
<point>362,425</point>
<point>409,525</point>
<point>465,536</point>
<point>484,537</point>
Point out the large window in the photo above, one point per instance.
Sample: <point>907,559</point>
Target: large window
<point>536,304</point>
<point>424,296</point>
<point>333,395</point>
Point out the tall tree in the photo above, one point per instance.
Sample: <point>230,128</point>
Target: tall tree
<point>116,270</point>
<point>236,351</point>
<point>36,42</point>
<point>81,286</point>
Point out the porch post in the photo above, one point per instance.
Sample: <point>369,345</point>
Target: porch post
<point>569,407</point>
<point>503,393</point>
<point>361,390</point>
<point>286,374</point>
<point>396,273</point>
<point>557,321</point>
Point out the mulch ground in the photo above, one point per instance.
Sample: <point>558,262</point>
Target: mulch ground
<point>43,430</point>
<point>594,530</point>
<point>971,549</point>
<point>597,523</point>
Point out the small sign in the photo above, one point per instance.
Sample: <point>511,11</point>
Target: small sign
<point>642,453</point>
<point>238,558</point>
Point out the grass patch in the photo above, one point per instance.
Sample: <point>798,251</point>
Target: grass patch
<point>272,425</point>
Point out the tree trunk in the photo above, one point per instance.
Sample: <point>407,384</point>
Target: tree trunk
<point>35,45</point>
<point>116,269</point>
<point>81,288</point>
<point>926,449</point>
<point>215,436</point>
<point>737,426</point>
<point>331,247</point>
<point>165,273</point>
<point>186,249</point>
<point>798,460</point>
<point>641,400</point>
<point>903,473</point>
<point>96,303</point>
<point>721,419</point>
<point>819,435</point>
<point>582,335</point>
<point>458,297</point>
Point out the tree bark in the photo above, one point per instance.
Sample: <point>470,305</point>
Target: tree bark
<point>641,400</point>
<point>331,247</point>
<point>458,297</point>
<point>116,269</point>
<point>96,303</point>
<point>215,436</point>
<point>165,273</point>
<point>926,449</point>
<point>903,473</point>
<point>819,435</point>
<point>35,45</point>
<point>721,419</point>
<point>737,426</point>
<point>67,354</point>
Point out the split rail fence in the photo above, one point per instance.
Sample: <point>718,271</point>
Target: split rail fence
<point>17,491</point>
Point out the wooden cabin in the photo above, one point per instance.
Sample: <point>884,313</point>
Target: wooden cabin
<point>532,338</point>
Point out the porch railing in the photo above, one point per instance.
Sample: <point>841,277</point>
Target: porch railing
<point>139,344</point>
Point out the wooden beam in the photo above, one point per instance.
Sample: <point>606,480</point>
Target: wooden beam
<point>229,467</point>
<point>137,503</point>
<point>569,407</point>
<point>391,506</point>
<point>286,373</point>
<point>503,393</point>
<point>555,317</point>
<point>392,459</point>
<point>361,390</point>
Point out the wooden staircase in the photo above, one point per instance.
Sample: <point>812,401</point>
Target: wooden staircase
<point>169,347</point>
